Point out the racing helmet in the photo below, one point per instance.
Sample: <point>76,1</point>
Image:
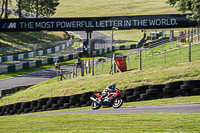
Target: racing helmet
<point>112,86</point>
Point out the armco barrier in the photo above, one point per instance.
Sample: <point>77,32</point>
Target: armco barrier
<point>50,60</point>
<point>26,65</point>
<point>61,45</point>
<point>32,64</point>
<point>11,68</point>
<point>145,92</point>
<point>18,67</point>
<point>38,63</point>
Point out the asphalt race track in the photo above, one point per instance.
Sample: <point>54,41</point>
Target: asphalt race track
<point>178,108</point>
<point>39,76</point>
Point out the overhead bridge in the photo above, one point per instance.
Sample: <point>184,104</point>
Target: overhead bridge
<point>89,24</point>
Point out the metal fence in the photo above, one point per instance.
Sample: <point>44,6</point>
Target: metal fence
<point>183,48</point>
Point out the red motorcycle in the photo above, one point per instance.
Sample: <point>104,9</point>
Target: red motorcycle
<point>111,100</point>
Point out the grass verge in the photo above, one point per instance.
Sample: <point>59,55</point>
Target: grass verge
<point>136,122</point>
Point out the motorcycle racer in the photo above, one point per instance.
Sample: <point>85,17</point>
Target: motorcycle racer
<point>110,97</point>
<point>109,89</point>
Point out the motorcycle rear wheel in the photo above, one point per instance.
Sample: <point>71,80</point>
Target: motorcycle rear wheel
<point>117,103</point>
<point>95,105</point>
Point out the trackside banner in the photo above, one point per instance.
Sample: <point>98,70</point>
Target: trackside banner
<point>96,23</point>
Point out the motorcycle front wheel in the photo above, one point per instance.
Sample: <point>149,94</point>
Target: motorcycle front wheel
<point>95,105</point>
<point>117,103</point>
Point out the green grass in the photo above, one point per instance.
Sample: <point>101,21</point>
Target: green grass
<point>155,71</point>
<point>136,122</point>
<point>11,74</point>
<point>8,75</point>
<point>15,40</point>
<point>94,8</point>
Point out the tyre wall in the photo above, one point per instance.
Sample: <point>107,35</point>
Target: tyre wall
<point>145,92</point>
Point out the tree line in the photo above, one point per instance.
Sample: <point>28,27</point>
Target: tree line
<point>45,8</point>
<point>187,6</point>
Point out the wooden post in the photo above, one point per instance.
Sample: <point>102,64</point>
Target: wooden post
<point>192,35</point>
<point>89,66</point>
<point>189,36</point>
<point>92,66</point>
<point>82,68</point>
<point>73,72</point>
<point>114,65</point>
<point>189,58</point>
<point>140,60</point>
<point>61,75</point>
<point>86,62</point>
<point>57,75</point>
<point>185,38</point>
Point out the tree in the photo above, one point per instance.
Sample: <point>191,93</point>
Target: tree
<point>192,6</point>
<point>38,7</point>
<point>48,7</point>
<point>4,7</point>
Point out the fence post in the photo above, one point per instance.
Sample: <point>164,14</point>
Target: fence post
<point>73,72</point>
<point>89,66</point>
<point>185,38</point>
<point>189,58</point>
<point>140,62</point>
<point>61,75</point>
<point>189,36</point>
<point>92,66</point>
<point>57,75</point>
<point>114,65</point>
<point>86,68</point>
<point>192,35</point>
<point>82,68</point>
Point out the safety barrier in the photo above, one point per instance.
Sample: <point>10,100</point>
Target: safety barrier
<point>61,45</point>
<point>145,92</point>
<point>51,60</point>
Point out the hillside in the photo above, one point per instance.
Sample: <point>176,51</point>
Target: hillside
<point>155,71</point>
<point>94,8</point>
